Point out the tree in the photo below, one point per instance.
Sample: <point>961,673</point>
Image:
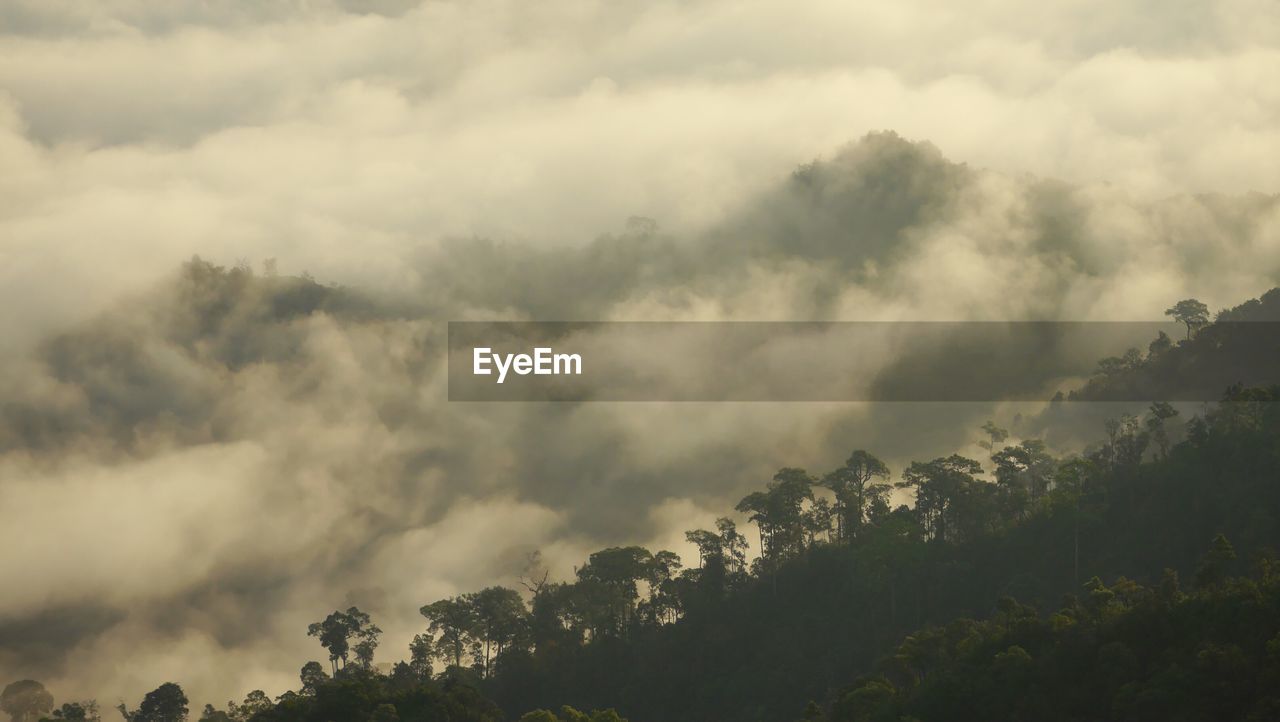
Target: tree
<point>779,513</point>
<point>86,711</point>
<point>1161,412</point>
<point>421,650</point>
<point>1126,442</point>
<point>453,623</point>
<point>723,548</point>
<point>550,619</point>
<point>722,557</point>
<point>1216,563</point>
<point>662,569</point>
<point>500,620</point>
<point>1161,344</point>
<point>707,542</point>
<point>596,607</point>
<point>25,700</point>
<point>1023,473</point>
<point>1074,482</point>
<point>610,579</point>
<point>621,567</point>
<point>254,702</point>
<point>663,604</point>
<point>333,633</point>
<point>366,634</point>
<point>535,574</point>
<point>756,506</point>
<point>1115,365</point>
<point>856,492</point>
<point>213,714</point>
<point>1190,312</point>
<point>339,628</point>
<point>817,520</point>
<point>733,545</point>
<point>947,497</point>
<point>995,435</point>
<point>166,703</point>
<point>569,714</point>
<point>312,676</point>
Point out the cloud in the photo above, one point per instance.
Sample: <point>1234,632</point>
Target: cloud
<point>194,464</point>
<point>289,446</point>
<point>139,133</point>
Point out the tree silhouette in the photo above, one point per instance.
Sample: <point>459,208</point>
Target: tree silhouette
<point>855,491</point>
<point>1216,563</point>
<point>1023,473</point>
<point>1126,442</point>
<point>366,634</point>
<point>995,435</point>
<point>1160,345</point>
<point>421,650</point>
<point>166,703</point>
<point>453,622</point>
<point>86,711</point>
<point>499,614</point>
<point>779,513</point>
<point>1157,424</point>
<point>945,489</point>
<point>213,714</point>
<point>1190,312</point>
<point>338,629</point>
<point>312,676</point>
<point>25,700</point>
<point>333,633</point>
<point>254,702</point>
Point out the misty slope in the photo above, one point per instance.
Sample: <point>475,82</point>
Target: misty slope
<point>1242,346</point>
<point>1122,652</point>
<point>231,454</point>
<point>757,646</point>
<point>156,364</point>
<point>778,641</point>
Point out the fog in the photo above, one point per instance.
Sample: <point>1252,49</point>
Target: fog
<point>194,465</point>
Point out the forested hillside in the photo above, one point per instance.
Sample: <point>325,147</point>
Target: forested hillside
<point>1241,346</point>
<point>1124,652</point>
<point>813,611</point>
<point>836,604</point>
<point>683,361</point>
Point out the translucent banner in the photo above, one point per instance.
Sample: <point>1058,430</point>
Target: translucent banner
<point>856,361</point>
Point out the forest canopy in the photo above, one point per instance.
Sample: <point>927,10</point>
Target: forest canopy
<point>839,605</point>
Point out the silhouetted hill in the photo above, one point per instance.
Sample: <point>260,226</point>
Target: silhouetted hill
<point>1123,652</point>
<point>842,579</point>
<point>1242,346</point>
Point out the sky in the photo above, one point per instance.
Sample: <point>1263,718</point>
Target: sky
<point>181,497</point>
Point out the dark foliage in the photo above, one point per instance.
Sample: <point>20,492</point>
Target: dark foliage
<point>847,588</point>
<point>1124,652</point>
